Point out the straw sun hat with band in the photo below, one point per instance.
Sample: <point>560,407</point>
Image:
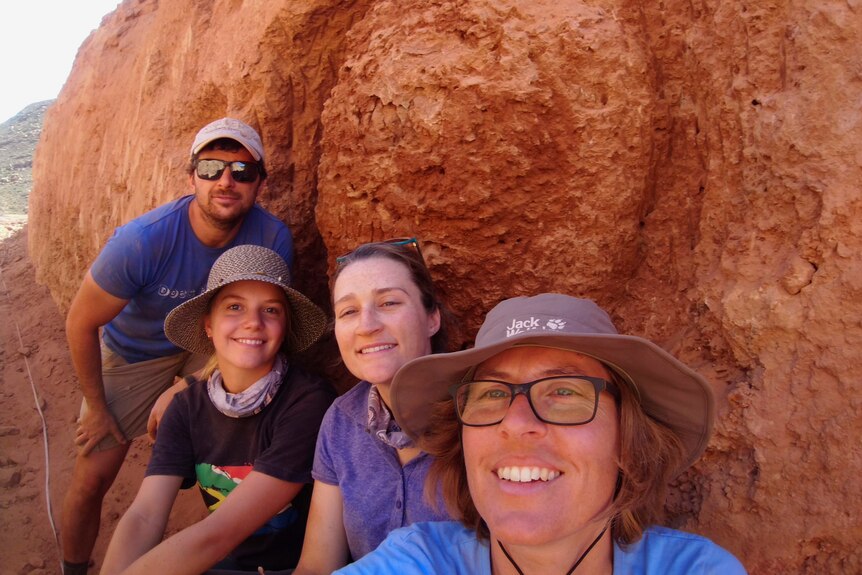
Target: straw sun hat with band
<point>667,390</point>
<point>184,325</point>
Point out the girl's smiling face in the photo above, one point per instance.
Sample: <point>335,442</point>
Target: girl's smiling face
<point>380,322</point>
<point>247,322</point>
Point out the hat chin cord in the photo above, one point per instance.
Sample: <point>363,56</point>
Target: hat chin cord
<point>569,572</point>
<point>583,555</point>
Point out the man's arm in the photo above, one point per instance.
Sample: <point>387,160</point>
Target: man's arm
<point>143,525</point>
<point>92,308</point>
<point>196,548</point>
<point>325,547</point>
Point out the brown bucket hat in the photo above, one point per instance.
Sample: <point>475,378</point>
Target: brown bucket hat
<point>668,391</point>
<point>184,325</point>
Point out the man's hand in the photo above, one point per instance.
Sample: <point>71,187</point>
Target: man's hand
<point>95,425</point>
<point>161,406</point>
<point>92,308</point>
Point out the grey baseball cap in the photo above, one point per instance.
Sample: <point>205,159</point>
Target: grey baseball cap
<point>233,129</point>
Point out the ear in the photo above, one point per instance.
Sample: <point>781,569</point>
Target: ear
<point>192,181</point>
<point>260,186</point>
<point>208,329</point>
<point>433,322</point>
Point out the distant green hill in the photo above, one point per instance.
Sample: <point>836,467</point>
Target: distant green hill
<point>18,138</point>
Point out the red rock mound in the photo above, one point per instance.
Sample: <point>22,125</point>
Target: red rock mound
<point>694,167</point>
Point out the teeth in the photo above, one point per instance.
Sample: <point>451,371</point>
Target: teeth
<point>527,474</point>
<point>250,341</point>
<point>376,348</point>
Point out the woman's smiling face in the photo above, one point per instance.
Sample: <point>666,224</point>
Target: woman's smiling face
<point>380,322</point>
<point>536,483</point>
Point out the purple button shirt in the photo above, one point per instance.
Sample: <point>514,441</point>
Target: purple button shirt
<point>379,494</point>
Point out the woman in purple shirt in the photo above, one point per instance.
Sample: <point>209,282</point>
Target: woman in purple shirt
<point>369,476</point>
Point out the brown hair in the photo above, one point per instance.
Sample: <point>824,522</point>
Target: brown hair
<point>410,258</point>
<point>227,145</point>
<point>649,454</point>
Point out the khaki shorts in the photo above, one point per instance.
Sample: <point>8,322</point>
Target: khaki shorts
<point>131,389</point>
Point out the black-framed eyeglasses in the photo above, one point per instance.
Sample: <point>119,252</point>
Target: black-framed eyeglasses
<point>408,242</point>
<point>560,400</point>
<point>244,172</point>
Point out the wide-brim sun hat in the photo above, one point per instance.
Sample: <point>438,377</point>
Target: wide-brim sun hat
<point>184,325</point>
<point>667,390</point>
<point>232,129</point>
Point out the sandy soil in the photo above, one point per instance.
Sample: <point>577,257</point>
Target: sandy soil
<point>34,355</point>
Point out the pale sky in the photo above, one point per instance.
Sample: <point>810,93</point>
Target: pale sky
<point>39,41</point>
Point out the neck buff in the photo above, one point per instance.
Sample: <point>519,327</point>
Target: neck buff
<point>381,423</point>
<point>252,400</point>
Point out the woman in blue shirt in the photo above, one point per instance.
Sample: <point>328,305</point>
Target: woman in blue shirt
<point>555,448</point>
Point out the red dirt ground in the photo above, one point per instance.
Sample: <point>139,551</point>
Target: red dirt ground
<point>34,349</point>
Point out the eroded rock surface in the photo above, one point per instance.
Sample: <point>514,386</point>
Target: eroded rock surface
<point>694,167</point>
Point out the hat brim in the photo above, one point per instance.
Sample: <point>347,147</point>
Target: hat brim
<point>669,391</point>
<point>184,325</point>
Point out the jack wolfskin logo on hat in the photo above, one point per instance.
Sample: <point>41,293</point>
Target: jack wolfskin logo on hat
<point>533,324</point>
<point>669,391</point>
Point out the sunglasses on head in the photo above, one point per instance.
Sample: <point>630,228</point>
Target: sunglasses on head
<point>244,172</point>
<point>407,242</point>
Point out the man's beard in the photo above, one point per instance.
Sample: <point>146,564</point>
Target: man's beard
<point>210,211</point>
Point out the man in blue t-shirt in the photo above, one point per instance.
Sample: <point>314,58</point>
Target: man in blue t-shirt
<point>148,267</point>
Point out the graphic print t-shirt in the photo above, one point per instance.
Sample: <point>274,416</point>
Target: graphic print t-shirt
<point>216,452</point>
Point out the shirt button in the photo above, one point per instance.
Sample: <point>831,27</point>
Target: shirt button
<point>398,504</point>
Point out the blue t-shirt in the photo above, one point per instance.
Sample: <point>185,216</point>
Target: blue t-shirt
<point>157,262</point>
<point>449,547</point>
<point>379,494</point>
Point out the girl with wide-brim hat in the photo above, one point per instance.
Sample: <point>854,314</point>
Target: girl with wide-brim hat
<point>245,434</point>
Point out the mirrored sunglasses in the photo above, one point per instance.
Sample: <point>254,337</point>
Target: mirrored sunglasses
<point>211,170</point>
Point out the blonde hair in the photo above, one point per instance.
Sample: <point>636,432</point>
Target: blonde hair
<point>209,367</point>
